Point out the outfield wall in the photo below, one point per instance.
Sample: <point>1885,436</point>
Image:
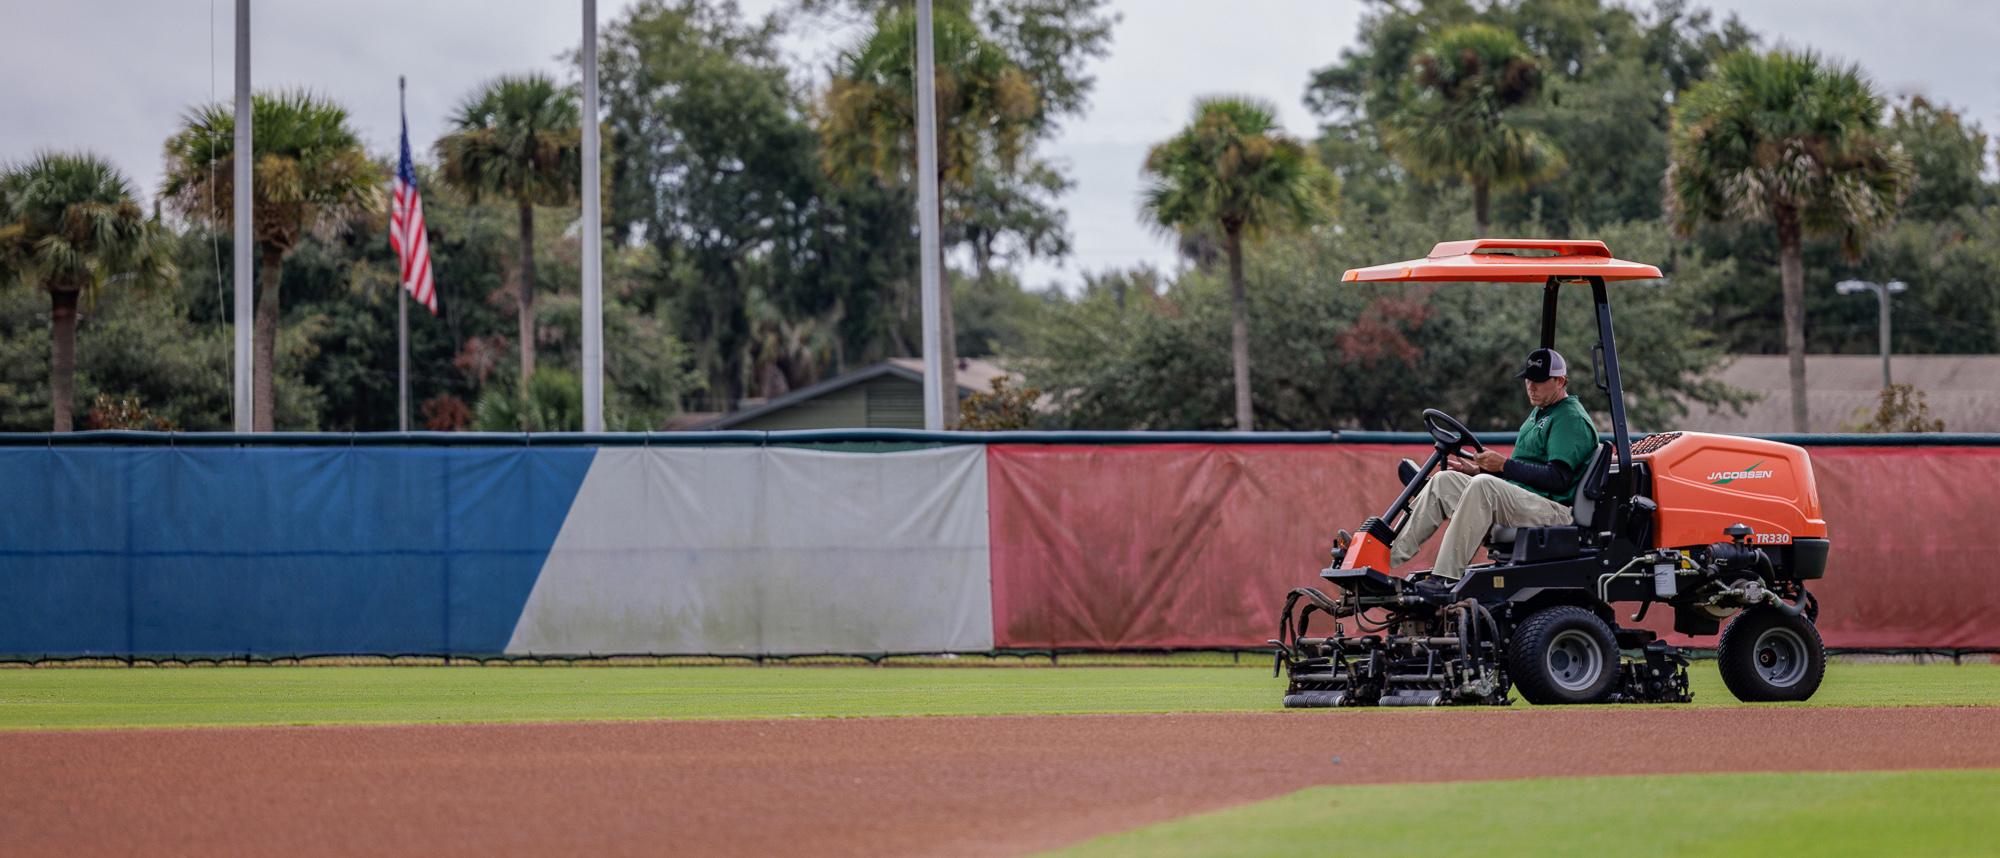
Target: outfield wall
<point>1189,545</point>
<point>120,544</point>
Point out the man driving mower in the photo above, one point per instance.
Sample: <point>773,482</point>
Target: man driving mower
<point>1533,488</point>
<point>1675,519</point>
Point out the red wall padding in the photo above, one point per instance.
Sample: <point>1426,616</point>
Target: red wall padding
<point>1913,559</point>
<point>1170,545</point>
<point>1193,545</point>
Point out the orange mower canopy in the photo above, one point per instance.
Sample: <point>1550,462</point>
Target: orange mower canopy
<point>1550,262</point>
<point>1500,260</point>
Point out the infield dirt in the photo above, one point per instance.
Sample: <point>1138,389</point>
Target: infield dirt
<point>889,786</point>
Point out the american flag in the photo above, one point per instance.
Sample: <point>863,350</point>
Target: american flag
<point>406,231</point>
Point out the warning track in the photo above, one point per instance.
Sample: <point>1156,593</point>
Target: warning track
<point>887,786</point>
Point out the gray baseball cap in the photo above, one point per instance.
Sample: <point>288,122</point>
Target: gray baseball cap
<point>1544,364</point>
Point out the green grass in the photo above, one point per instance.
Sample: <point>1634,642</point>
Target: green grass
<point>1932,813</point>
<point>41,698</point>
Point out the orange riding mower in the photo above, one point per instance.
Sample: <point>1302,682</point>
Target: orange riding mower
<point>1713,527</point>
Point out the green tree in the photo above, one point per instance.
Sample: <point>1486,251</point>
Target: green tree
<point>1052,41</point>
<point>1234,171</point>
<point>142,347</point>
<point>1948,156</point>
<point>549,402</point>
<point>995,314</point>
<point>518,138</point>
<point>1006,406</point>
<point>1005,216</point>
<point>1456,125</point>
<point>1012,211</point>
<point>782,352</point>
<point>68,226</point>
<point>310,178</point>
<point>987,113</point>
<point>1785,138</point>
<point>1370,356</point>
<point>717,169</point>
<point>136,344</point>
<point>1611,72</point>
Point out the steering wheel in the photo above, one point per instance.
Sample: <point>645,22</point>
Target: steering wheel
<point>1451,435</point>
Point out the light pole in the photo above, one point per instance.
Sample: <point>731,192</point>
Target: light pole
<point>593,235</point>
<point>930,268</point>
<point>242,156</point>
<point>1882,292</point>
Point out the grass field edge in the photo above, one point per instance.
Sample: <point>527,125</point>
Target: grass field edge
<point>1181,836</point>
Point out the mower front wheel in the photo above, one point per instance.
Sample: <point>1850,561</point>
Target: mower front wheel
<point>1564,654</point>
<point>1767,656</point>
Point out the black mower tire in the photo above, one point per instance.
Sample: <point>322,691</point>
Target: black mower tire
<point>1582,669</point>
<point>1769,656</point>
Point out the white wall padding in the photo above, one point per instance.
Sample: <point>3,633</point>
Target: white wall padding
<point>768,550</point>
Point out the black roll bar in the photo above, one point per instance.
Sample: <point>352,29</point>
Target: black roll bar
<point>1621,440</point>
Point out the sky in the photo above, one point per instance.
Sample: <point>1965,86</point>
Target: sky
<point>115,76</point>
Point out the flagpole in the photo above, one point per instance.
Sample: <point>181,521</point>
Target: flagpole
<point>402,315</point>
<point>402,359</point>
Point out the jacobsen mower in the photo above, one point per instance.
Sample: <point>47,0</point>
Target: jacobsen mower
<point>1710,527</point>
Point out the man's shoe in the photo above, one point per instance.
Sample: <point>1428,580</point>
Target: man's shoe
<point>1407,470</point>
<point>1436,585</point>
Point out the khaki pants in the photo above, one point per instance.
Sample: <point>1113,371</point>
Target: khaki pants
<point>1474,505</point>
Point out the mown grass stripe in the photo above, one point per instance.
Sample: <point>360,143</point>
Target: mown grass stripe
<point>116,697</point>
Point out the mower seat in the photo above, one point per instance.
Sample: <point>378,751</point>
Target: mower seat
<point>1528,544</point>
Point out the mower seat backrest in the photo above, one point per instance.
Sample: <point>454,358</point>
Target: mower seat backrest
<point>1583,509</point>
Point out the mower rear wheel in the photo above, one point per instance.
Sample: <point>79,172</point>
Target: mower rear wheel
<point>1767,655</point>
<point>1564,654</point>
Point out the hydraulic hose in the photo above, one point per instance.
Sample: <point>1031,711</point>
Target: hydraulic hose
<point>1468,632</point>
<point>1604,581</point>
<point>1492,625</point>
<point>1485,616</point>
<point>1763,596</point>
<point>1789,610</point>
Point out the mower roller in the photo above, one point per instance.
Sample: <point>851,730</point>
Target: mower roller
<point>1713,527</point>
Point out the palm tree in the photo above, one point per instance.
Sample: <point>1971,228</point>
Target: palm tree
<point>1234,171</point>
<point>311,178</point>
<point>1454,124</point>
<point>783,353</point>
<point>518,138</point>
<point>553,403</point>
<point>986,114</point>
<point>1786,139</point>
<point>69,225</point>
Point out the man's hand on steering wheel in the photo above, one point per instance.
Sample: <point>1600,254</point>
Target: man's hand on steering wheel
<point>1452,438</point>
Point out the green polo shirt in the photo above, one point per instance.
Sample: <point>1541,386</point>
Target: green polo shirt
<point>1561,432</point>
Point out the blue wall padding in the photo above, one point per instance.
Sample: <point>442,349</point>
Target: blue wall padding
<point>274,550</point>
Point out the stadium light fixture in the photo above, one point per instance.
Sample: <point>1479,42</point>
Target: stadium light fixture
<point>1882,292</point>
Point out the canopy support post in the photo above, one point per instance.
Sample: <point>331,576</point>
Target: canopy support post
<point>1549,292</point>
<point>1621,441</point>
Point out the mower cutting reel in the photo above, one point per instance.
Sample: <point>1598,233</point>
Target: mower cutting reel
<point>1713,527</point>
<point>1413,648</point>
<point>1407,662</point>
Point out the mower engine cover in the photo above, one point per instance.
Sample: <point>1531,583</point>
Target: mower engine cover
<point>1704,484</point>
